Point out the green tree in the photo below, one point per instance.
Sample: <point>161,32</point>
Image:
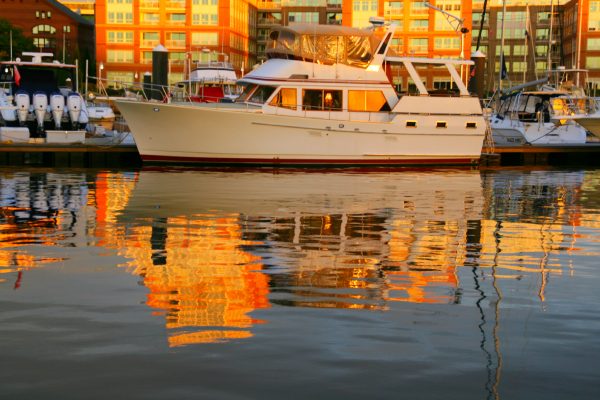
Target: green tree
<point>20,42</point>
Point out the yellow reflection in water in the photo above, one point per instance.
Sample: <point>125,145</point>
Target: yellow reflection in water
<point>199,276</point>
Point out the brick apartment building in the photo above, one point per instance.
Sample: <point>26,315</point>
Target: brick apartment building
<point>191,30</point>
<point>53,27</point>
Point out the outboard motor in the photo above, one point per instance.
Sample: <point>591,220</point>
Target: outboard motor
<point>74,104</point>
<point>40,106</point>
<point>23,103</point>
<point>57,105</point>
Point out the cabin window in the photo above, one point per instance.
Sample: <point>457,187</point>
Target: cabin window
<point>285,98</point>
<point>411,124</point>
<point>322,100</point>
<point>261,94</point>
<point>471,125</point>
<point>367,100</point>
<point>441,124</point>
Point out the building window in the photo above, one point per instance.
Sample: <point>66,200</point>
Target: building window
<point>297,17</point>
<point>43,29</point>
<point>150,39</point>
<point>119,56</point>
<point>205,38</point>
<point>119,37</point>
<point>41,43</point>
<point>446,43</point>
<point>120,17</point>
<point>593,44</point>
<point>176,19</point>
<point>592,62</point>
<point>119,79</point>
<point>594,16</point>
<point>419,25</point>
<point>418,45</point>
<point>150,18</point>
<point>176,40</point>
<point>146,57</point>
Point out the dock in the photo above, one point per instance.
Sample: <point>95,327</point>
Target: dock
<point>90,155</point>
<point>105,154</point>
<point>559,154</point>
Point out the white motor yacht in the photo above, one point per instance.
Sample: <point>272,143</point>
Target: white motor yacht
<point>210,82</point>
<point>39,99</point>
<point>322,97</point>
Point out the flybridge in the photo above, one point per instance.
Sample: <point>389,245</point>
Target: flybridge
<point>324,44</point>
<point>450,65</point>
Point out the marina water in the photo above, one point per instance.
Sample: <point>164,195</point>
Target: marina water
<point>279,283</point>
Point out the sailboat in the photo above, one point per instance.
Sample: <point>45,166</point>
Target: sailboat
<point>543,111</point>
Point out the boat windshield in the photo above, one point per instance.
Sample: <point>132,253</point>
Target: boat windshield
<point>246,93</point>
<point>257,94</point>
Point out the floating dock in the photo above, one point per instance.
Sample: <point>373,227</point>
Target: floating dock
<point>100,154</point>
<point>70,155</point>
<point>559,154</point>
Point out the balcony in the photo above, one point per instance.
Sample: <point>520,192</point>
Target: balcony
<point>269,21</point>
<point>419,11</point>
<point>176,19</point>
<point>177,4</point>
<point>175,44</point>
<point>149,3</point>
<point>149,43</point>
<point>394,11</point>
<point>418,49</point>
<point>268,5</point>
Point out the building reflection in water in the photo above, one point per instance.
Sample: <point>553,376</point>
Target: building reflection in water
<point>36,209</point>
<point>213,247</point>
<point>198,276</point>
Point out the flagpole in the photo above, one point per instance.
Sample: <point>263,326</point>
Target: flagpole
<point>11,45</point>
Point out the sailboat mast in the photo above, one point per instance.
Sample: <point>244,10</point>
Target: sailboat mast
<point>549,62</point>
<point>501,48</point>
<point>527,23</point>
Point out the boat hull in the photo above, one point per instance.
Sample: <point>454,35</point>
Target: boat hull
<point>509,132</point>
<point>231,134</point>
<point>592,124</point>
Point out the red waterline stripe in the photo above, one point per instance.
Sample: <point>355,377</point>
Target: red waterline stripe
<point>302,161</point>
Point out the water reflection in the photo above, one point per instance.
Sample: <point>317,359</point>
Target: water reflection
<point>214,247</point>
<point>323,240</point>
<point>36,209</point>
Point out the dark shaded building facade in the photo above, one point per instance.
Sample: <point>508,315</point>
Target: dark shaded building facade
<point>53,27</point>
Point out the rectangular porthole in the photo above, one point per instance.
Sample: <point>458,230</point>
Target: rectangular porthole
<point>411,124</point>
<point>441,124</point>
<point>471,125</point>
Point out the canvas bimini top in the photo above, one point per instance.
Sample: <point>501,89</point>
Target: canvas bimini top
<point>324,44</point>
